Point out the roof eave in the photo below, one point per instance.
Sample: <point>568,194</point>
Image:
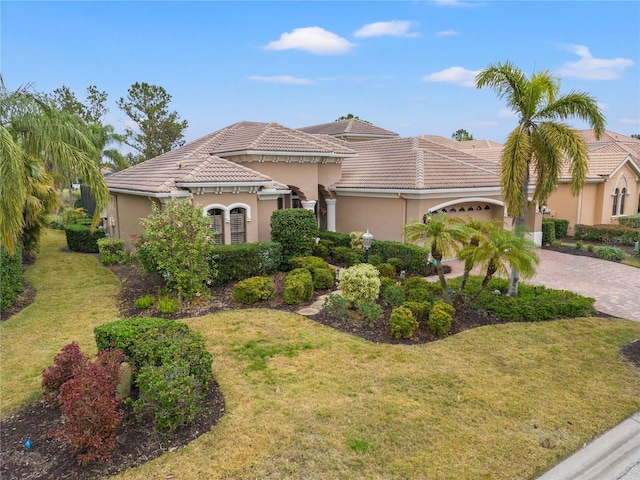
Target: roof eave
<point>146,193</point>
<point>286,153</point>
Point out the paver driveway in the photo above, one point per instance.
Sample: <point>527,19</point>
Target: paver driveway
<point>615,287</point>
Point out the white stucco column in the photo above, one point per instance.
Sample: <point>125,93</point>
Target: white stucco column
<point>309,205</point>
<point>331,214</point>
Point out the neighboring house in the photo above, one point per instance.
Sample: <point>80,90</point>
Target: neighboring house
<point>612,188</point>
<point>243,172</point>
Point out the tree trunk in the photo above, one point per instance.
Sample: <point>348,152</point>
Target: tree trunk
<point>520,226</point>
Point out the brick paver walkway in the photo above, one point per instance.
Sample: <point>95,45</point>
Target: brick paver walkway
<point>615,287</point>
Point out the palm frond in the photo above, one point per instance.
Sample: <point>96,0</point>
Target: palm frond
<point>516,156</point>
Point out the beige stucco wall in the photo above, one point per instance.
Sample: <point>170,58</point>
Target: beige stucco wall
<point>127,211</point>
<point>595,203</point>
<point>385,217</point>
<point>305,176</point>
<point>123,221</point>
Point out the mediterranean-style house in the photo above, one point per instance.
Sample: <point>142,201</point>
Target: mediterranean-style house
<point>353,175</point>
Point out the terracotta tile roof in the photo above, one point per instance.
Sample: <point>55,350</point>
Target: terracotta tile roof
<point>163,173</point>
<point>352,127</point>
<point>606,137</point>
<point>272,137</point>
<point>414,163</point>
<point>194,162</point>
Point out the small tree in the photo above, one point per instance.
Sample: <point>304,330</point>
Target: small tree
<point>178,240</point>
<point>461,135</point>
<point>296,230</point>
<point>441,236</point>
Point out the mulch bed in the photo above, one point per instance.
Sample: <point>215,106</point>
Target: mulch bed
<point>138,442</point>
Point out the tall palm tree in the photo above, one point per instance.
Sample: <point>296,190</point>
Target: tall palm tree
<point>441,235</point>
<point>541,142</point>
<point>104,136</point>
<point>36,139</point>
<point>502,249</point>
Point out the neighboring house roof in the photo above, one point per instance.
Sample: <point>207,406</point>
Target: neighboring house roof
<point>487,149</point>
<point>416,164</point>
<point>351,128</point>
<point>607,154</point>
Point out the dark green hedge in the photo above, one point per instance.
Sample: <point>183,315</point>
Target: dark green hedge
<point>548,231</point>
<point>607,233</point>
<point>10,277</point>
<point>296,229</point>
<point>245,260</point>
<point>632,221</point>
<point>561,227</point>
<point>80,238</point>
<point>338,239</point>
<point>415,259</point>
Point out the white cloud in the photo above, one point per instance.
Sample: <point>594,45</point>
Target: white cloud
<point>454,3</point>
<point>506,113</point>
<point>447,33</point>
<point>313,40</point>
<point>394,28</point>
<point>283,79</point>
<point>630,121</point>
<point>457,75</point>
<point>592,68</point>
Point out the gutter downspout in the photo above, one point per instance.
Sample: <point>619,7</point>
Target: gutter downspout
<point>404,214</point>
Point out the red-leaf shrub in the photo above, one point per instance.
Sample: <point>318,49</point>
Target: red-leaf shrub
<point>90,408</point>
<point>67,363</point>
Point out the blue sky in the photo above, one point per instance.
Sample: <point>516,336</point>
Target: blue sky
<point>405,66</point>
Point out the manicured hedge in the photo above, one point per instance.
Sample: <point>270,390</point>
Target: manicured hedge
<point>245,260</point>
<point>561,227</point>
<point>607,233</point>
<point>80,238</point>
<point>338,239</point>
<point>548,231</point>
<point>296,229</point>
<point>415,259</point>
<point>10,277</point>
<point>632,221</point>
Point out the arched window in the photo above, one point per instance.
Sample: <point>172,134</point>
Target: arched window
<point>238,224</point>
<point>216,224</point>
<point>624,194</point>
<point>614,210</point>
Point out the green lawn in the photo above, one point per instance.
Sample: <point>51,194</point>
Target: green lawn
<point>306,401</point>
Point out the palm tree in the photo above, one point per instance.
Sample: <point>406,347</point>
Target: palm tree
<point>441,235</point>
<point>104,136</point>
<point>541,142</point>
<point>37,139</point>
<point>480,232</point>
<point>499,250</point>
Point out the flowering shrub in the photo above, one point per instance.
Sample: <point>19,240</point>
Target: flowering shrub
<point>360,282</point>
<point>177,241</point>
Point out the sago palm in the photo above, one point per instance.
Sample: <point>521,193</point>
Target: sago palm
<point>441,235</point>
<point>541,142</point>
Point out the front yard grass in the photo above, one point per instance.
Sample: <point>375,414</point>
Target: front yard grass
<point>303,400</point>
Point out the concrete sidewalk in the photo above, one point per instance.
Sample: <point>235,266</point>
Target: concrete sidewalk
<point>613,456</point>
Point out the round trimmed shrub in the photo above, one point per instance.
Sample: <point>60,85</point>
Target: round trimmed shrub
<point>396,263</point>
<point>360,282</point>
<point>439,320</point>
<point>420,310</point>
<point>298,287</point>
<point>254,289</point>
<point>402,323</point>
<point>323,278</point>
<point>445,306</point>
<point>386,270</point>
<point>394,295</point>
